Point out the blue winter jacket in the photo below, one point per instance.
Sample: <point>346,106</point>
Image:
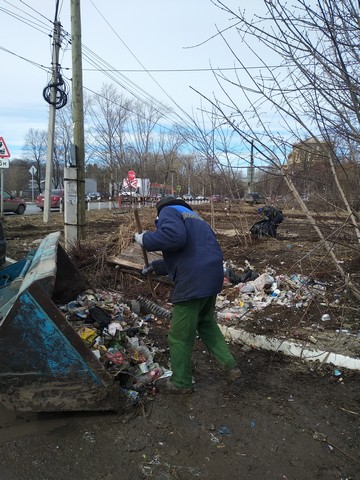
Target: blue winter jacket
<point>192,256</point>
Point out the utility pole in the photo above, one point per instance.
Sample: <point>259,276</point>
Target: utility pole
<point>74,180</point>
<point>51,127</point>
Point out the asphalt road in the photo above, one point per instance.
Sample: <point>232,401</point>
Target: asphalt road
<point>32,209</point>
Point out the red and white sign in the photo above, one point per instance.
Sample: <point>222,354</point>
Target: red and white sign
<point>132,183</point>
<point>4,151</point>
<point>131,175</point>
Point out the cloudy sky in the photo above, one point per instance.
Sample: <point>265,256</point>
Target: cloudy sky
<point>175,42</point>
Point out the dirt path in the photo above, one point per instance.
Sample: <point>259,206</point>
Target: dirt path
<point>282,421</point>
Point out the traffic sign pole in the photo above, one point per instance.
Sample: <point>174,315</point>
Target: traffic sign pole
<point>4,163</point>
<point>2,193</point>
<point>32,170</point>
<point>131,177</point>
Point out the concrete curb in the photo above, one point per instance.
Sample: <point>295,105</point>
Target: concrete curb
<point>290,348</point>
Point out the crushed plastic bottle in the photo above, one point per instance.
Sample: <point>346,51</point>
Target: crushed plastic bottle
<point>147,378</point>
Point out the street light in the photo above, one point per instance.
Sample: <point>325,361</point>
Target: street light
<point>172,181</point>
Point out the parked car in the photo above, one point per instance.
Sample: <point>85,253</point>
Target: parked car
<point>216,198</point>
<point>91,196</point>
<point>255,198</point>
<point>13,204</point>
<point>57,197</point>
<point>187,197</point>
<point>201,198</point>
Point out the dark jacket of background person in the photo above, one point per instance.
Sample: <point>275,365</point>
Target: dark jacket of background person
<point>274,217</point>
<point>272,213</point>
<point>192,257</point>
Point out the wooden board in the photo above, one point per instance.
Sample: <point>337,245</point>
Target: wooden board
<point>131,261</point>
<point>133,257</point>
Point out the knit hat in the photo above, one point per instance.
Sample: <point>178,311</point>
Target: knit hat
<point>170,200</point>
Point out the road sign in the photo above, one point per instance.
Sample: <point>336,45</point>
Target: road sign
<point>4,163</point>
<point>4,151</point>
<point>132,183</point>
<point>32,170</point>
<point>131,175</point>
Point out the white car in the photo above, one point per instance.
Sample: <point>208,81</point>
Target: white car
<point>91,196</point>
<point>187,197</point>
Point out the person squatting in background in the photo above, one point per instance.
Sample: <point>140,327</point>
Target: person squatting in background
<point>274,217</point>
<point>193,259</point>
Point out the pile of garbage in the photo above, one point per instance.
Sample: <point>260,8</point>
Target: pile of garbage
<point>116,333</point>
<point>255,292</point>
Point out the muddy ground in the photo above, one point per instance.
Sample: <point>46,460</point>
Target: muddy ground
<point>285,418</point>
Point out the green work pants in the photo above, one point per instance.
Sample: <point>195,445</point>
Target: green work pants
<point>197,315</point>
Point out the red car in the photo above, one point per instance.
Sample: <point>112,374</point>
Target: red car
<point>57,197</point>
<point>13,204</point>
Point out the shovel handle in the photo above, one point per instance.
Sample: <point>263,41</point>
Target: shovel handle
<point>146,260</point>
<point>138,224</point>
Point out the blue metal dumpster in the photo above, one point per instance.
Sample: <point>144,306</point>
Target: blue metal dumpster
<point>44,364</point>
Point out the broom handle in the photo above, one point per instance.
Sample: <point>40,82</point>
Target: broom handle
<point>146,260</point>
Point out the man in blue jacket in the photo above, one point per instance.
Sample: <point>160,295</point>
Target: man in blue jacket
<point>193,259</point>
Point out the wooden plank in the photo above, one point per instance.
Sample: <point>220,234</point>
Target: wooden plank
<point>132,257</point>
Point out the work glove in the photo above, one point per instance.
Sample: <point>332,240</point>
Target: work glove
<point>139,238</point>
<point>147,269</point>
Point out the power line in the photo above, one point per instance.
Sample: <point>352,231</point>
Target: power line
<point>27,18</point>
<point>189,70</point>
<point>140,63</point>
<point>25,59</point>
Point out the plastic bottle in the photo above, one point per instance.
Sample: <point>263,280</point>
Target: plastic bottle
<point>147,378</point>
<point>275,293</point>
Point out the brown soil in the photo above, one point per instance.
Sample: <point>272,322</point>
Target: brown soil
<point>285,418</point>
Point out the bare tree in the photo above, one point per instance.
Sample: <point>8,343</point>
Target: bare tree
<point>169,161</point>
<point>16,178</point>
<point>35,152</point>
<point>62,146</point>
<point>108,116</point>
<point>313,92</point>
<point>144,139</point>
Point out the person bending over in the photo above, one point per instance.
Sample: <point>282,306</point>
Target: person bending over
<point>193,259</point>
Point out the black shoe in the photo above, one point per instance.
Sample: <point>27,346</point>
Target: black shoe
<point>233,374</point>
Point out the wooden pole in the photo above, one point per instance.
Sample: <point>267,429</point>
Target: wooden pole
<point>78,115</point>
<point>146,260</point>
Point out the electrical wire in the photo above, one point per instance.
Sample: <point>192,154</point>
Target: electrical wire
<point>61,92</point>
<point>39,65</point>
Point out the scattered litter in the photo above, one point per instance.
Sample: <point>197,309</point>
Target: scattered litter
<point>224,431</point>
<point>253,294</point>
<point>116,333</point>
<point>214,439</point>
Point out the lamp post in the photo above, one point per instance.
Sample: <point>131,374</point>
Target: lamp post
<point>172,182</point>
